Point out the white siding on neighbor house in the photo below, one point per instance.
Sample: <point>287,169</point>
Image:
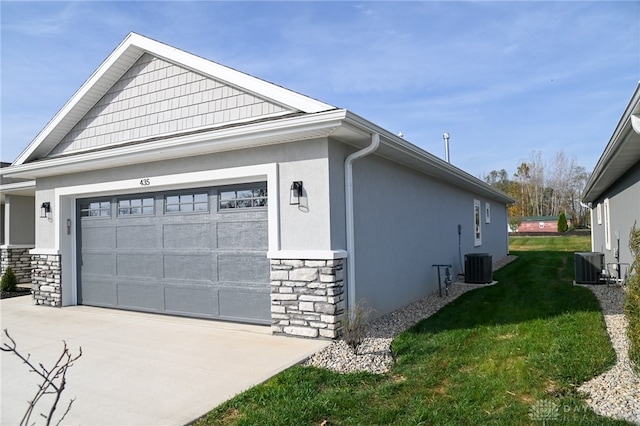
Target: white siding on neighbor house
<point>156,97</point>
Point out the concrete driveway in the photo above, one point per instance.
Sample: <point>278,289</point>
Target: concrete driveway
<point>138,369</point>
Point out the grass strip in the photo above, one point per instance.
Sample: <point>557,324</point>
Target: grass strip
<point>509,354</point>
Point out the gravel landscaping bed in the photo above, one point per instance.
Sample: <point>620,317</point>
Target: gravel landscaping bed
<point>374,353</point>
<point>615,393</point>
<point>20,291</point>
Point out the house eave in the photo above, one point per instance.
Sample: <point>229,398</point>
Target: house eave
<point>622,152</point>
<point>339,124</point>
<point>404,152</point>
<point>303,127</point>
<point>117,64</point>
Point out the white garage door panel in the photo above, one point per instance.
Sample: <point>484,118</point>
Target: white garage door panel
<point>198,260</point>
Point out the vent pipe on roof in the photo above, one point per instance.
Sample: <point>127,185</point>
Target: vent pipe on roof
<point>445,136</point>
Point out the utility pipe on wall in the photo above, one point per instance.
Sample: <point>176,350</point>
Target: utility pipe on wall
<point>348,190</point>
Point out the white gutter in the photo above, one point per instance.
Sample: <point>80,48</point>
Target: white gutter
<point>348,191</point>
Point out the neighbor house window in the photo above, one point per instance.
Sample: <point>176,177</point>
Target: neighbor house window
<point>95,209</point>
<point>135,206</point>
<point>476,218</point>
<point>192,202</point>
<point>599,213</point>
<point>607,225</point>
<point>487,213</point>
<point>243,198</point>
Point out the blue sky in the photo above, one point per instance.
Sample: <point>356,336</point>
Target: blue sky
<point>503,78</point>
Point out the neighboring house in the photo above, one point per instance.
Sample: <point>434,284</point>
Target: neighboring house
<point>613,190</point>
<point>172,184</point>
<point>541,223</point>
<point>17,219</point>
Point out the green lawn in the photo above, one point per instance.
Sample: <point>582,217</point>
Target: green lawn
<point>497,355</point>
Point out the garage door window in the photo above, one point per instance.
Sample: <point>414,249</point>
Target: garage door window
<point>135,206</point>
<point>243,198</point>
<point>95,209</point>
<point>194,202</point>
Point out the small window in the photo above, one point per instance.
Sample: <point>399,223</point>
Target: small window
<point>182,203</point>
<point>478,227</point>
<point>243,198</point>
<point>599,213</point>
<point>607,224</point>
<point>95,209</point>
<point>487,213</point>
<point>135,206</point>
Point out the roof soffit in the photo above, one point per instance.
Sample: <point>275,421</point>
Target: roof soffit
<point>620,154</point>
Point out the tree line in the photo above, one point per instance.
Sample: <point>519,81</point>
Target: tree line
<point>544,188</point>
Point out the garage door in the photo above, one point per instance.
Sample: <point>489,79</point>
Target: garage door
<point>200,252</point>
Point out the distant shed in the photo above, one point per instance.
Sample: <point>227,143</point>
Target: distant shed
<point>541,223</point>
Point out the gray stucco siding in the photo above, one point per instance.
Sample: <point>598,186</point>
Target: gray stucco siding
<point>20,212</point>
<point>624,211</point>
<point>308,228</point>
<point>405,222</point>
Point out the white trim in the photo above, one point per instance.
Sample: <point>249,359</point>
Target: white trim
<point>477,223</point>
<point>607,224</point>
<point>18,186</point>
<point>182,180</point>
<point>17,246</point>
<point>65,200</point>
<point>44,251</point>
<point>121,59</point>
<point>487,213</point>
<point>247,136</point>
<point>245,81</point>
<point>307,254</point>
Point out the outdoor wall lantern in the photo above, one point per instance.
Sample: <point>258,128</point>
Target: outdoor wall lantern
<point>295,193</point>
<point>45,209</point>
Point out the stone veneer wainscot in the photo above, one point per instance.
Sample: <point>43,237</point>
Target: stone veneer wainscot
<point>307,297</point>
<point>46,279</point>
<point>19,260</point>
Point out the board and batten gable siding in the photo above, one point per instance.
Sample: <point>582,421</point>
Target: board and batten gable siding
<point>624,210</point>
<point>405,222</point>
<point>156,97</point>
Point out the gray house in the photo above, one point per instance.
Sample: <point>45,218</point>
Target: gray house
<point>172,184</point>
<point>613,190</point>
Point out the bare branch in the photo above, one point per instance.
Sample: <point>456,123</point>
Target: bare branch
<point>53,380</point>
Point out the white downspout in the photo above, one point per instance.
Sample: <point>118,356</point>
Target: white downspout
<point>348,190</point>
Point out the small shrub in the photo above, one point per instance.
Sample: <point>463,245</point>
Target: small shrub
<point>355,324</point>
<point>9,280</point>
<point>562,223</point>
<point>632,302</point>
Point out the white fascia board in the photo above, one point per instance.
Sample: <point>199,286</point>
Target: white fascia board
<point>307,254</point>
<point>262,88</point>
<point>7,188</point>
<point>628,122</point>
<point>129,50</point>
<point>264,133</point>
<point>90,84</point>
<point>430,163</point>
